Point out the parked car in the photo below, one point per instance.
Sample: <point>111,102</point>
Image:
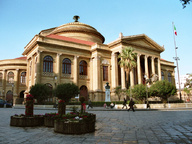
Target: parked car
<point>3,102</point>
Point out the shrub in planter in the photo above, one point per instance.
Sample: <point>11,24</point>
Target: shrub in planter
<point>29,119</point>
<point>65,92</point>
<point>75,123</point>
<point>26,121</point>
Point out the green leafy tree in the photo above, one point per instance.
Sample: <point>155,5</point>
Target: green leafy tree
<point>187,91</point>
<point>119,92</point>
<point>139,92</point>
<point>185,2</point>
<point>188,82</point>
<point>40,92</point>
<point>128,61</point>
<point>163,89</point>
<point>65,92</point>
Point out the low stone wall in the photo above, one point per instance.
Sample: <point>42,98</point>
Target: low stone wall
<point>119,106</point>
<point>161,106</point>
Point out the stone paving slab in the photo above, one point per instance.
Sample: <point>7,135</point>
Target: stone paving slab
<point>112,127</point>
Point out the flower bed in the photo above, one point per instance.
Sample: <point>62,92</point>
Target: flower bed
<point>25,121</point>
<point>75,123</point>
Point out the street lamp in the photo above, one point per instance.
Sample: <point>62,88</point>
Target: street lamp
<point>3,93</point>
<point>55,80</point>
<point>146,81</point>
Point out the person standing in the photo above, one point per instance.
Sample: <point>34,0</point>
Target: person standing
<point>89,104</point>
<point>131,104</point>
<point>124,103</point>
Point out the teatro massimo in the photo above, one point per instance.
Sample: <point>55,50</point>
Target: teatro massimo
<point>76,52</point>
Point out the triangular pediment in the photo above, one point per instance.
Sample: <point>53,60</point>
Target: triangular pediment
<point>143,41</point>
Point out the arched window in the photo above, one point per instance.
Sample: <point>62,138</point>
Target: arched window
<point>105,73</point>
<point>162,76</point>
<point>11,77</point>
<point>23,77</point>
<point>83,68</point>
<point>169,77</point>
<point>66,66</point>
<point>48,64</point>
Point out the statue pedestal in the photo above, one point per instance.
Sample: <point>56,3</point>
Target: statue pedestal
<point>107,93</point>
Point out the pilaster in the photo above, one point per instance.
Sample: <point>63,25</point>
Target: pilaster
<point>153,65</point>
<point>75,71</point>
<point>139,68</point>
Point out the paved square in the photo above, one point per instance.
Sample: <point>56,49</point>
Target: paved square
<point>140,127</point>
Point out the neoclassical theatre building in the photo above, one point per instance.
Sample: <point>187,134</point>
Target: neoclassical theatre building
<point>75,52</point>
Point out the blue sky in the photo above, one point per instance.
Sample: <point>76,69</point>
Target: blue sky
<point>20,20</point>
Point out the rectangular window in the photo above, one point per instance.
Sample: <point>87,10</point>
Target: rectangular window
<point>105,73</point>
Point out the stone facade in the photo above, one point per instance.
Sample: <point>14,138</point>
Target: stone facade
<point>75,52</point>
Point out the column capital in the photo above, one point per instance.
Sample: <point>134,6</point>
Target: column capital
<point>17,69</point>
<point>97,57</point>
<point>39,51</point>
<point>59,54</point>
<point>146,56</point>
<point>114,54</point>
<point>76,56</point>
<point>138,55</point>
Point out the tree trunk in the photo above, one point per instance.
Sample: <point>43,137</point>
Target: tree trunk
<point>61,108</point>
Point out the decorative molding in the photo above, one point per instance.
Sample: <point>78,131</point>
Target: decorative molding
<point>48,74</point>
<point>105,62</point>
<point>66,75</point>
<point>83,76</point>
<point>146,56</point>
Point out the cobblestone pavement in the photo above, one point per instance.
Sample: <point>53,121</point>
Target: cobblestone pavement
<point>140,127</point>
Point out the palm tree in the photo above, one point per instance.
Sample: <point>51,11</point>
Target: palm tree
<point>128,61</point>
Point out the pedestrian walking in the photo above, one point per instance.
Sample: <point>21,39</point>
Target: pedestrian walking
<point>131,104</point>
<point>89,104</point>
<point>124,104</point>
<point>105,105</point>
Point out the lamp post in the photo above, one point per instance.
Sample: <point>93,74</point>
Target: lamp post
<point>55,93</point>
<point>55,80</point>
<point>12,91</point>
<point>146,80</point>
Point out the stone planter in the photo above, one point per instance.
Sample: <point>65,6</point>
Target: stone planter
<point>74,127</point>
<point>26,121</point>
<point>49,122</point>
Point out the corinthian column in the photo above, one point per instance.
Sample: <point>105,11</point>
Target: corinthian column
<point>146,67</point>
<point>132,77</point>
<point>114,71</point>
<point>58,68</point>
<point>159,69</point>
<point>96,74</point>
<point>123,78</point>
<point>16,82</point>
<point>153,65</point>
<point>139,68</point>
